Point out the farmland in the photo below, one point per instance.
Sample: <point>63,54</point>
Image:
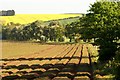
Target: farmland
<point>28,18</point>
<point>51,61</point>
<point>16,49</point>
<point>84,47</point>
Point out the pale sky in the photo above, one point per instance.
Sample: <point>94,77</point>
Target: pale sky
<point>46,6</point>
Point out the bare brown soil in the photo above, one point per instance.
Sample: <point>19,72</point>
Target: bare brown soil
<point>58,62</point>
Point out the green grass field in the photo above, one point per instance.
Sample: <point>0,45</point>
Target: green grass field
<point>28,18</point>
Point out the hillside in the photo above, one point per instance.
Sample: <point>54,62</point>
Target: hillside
<point>28,18</point>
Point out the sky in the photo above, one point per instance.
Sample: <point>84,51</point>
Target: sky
<point>46,6</point>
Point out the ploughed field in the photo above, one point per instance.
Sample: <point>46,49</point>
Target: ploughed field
<point>51,62</point>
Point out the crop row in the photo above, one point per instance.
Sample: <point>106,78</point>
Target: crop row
<point>69,61</point>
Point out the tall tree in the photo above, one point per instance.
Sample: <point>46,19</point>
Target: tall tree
<point>33,30</point>
<point>73,30</point>
<point>103,23</point>
<point>56,31</point>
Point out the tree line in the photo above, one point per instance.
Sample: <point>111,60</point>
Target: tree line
<point>7,13</point>
<point>38,31</point>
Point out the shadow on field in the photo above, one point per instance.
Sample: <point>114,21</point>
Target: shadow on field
<point>58,71</point>
<point>48,58</point>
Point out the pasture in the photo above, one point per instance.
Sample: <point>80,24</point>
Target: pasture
<point>28,18</point>
<point>24,60</point>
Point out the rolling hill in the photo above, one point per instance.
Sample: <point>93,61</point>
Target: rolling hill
<point>28,18</point>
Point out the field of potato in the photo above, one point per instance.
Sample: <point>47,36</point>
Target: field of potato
<point>28,18</point>
<point>50,62</point>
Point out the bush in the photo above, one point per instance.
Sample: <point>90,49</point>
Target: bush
<point>5,33</point>
<point>61,39</point>
<point>116,65</point>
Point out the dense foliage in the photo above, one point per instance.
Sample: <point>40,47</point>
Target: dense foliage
<point>102,24</point>
<point>34,31</point>
<point>73,31</point>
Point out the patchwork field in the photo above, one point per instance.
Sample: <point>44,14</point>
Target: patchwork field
<point>30,61</point>
<point>28,18</point>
